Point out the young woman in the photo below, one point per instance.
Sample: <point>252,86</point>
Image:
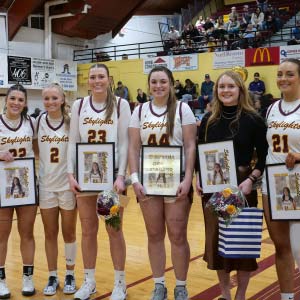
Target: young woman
<point>218,175</point>
<point>99,118</point>
<point>283,118</point>
<point>287,200</point>
<point>176,125</point>
<point>96,175</point>
<point>16,124</point>
<point>233,117</point>
<point>16,190</point>
<point>55,196</point>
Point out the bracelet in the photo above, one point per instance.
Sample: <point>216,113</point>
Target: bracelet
<point>134,177</point>
<point>252,178</point>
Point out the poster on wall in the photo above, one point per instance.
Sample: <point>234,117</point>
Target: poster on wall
<point>3,68</point>
<point>263,56</point>
<point>292,51</point>
<point>152,62</point>
<point>42,72</point>
<point>66,74</point>
<point>19,70</point>
<point>228,59</point>
<point>187,62</point>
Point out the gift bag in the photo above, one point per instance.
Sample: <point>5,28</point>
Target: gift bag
<point>241,238</point>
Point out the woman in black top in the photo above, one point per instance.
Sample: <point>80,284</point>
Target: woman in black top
<point>141,96</point>
<point>233,117</point>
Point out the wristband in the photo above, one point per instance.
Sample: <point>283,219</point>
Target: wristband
<point>134,177</point>
<point>252,178</point>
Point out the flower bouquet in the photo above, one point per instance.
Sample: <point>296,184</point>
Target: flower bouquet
<point>227,204</point>
<point>108,207</point>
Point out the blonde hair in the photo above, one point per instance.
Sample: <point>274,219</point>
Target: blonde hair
<point>111,101</point>
<point>172,101</point>
<point>244,102</point>
<point>63,106</point>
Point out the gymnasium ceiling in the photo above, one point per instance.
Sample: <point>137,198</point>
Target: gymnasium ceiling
<point>103,16</point>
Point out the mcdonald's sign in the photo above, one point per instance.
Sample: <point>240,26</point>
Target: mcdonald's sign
<point>262,56</point>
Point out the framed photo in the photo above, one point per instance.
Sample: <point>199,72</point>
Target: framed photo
<point>283,191</point>
<point>217,166</point>
<point>161,170</point>
<point>95,166</point>
<point>18,185</point>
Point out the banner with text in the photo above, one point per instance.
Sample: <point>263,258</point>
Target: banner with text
<point>228,59</point>
<point>19,70</point>
<point>186,62</point>
<point>66,74</point>
<point>292,51</point>
<point>42,72</point>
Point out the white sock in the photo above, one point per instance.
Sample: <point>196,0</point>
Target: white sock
<point>70,253</point>
<point>295,241</point>
<point>89,274</point>
<point>160,280</point>
<point>180,282</point>
<point>120,276</point>
<point>287,296</point>
<point>53,273</point>
<point>70,272</point>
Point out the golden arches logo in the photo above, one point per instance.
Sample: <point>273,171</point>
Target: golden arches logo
<point>261,53</point>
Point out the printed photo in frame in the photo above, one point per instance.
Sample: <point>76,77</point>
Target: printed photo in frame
<point>283,191</point>
<point>95,169</point>
<point>217,166</point>
<point>18,187</point>
<point>161,169</point>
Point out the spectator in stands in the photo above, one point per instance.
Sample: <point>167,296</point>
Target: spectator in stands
<point>122,91</point>
<point>272,19</point>
<point>257,87</point>
<point>246,17</point>
<point>199,24</point>
<point>178,89</point>
<point>185,32</point>
<point>189,91</point>
<point>233,26</point>
<point>233,13</point>
<point>194,33</point>
<point>257,19</point>
<point>262,4</point>
<point>220,23</point>
<point>249,37</point>
<point>206,92</point>
<point>173,34</point>
<point>208,24</point>
<point>296,31</point>
<point>141,96</point>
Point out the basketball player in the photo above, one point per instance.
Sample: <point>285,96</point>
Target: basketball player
<point>283,120</point>
<point>164,121</point>
<point>54,191</point>
<point>16,135</point>
<point>99,118</point>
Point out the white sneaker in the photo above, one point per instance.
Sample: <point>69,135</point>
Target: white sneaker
<point>88,288</point>
<point>119,292</point>
<point>4,291</point>
<point>51,287</point>
<point>28,286</point>
<point>70,285</point>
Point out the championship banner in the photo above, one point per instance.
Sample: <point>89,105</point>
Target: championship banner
<point>42,72</point>
<point>228,59</point>
<point>66,74</point>
<point>262,56</point>
<point>152,62</point>
<point>19,70</point>
<point>187,62</point>
<point>292,51</point>
<point>3,68</point>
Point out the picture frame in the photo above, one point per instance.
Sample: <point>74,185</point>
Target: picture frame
<point>95,169</point>
<point>161,170</point>
<point>217,166</point>
<point>283,188</point>
<point>19,188</point>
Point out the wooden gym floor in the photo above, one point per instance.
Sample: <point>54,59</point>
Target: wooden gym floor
<point>202,283</point>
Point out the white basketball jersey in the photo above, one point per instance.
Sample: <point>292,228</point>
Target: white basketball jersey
<point>283,132</point>
<point>153,127</point>
<point>94,128</point>
<point>17,140</point>
<point>53,145</point>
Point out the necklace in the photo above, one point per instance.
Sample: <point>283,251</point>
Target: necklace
<point>227,117</point>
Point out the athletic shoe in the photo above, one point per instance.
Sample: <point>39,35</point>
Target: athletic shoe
<point>52,285</point>
<point>88,288</point>
<point>119,292</point>
<point>4,291</point>
<point>159,293</point>
<point>180,293</point>
<point>28,286</point>
<point>70,285</point>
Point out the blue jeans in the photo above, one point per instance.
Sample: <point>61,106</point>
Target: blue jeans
<point>203,102</point>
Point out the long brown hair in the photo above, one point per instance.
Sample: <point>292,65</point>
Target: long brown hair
<point>111,101</point>
<point>172,101</point>
<point>20,88</point>
<point>244,101</point>
<point>63,106</point>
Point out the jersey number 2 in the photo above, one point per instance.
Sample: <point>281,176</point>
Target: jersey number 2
<point>54,155</point>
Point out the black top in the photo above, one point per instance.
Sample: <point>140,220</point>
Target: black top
<point>249,134</point>
<point>141,99</point>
